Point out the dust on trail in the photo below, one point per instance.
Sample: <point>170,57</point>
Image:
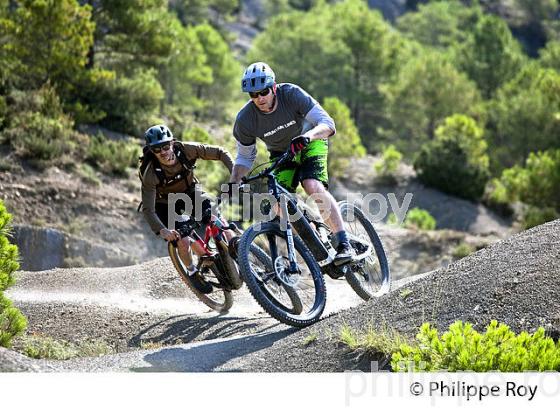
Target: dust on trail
<point>343,298</point>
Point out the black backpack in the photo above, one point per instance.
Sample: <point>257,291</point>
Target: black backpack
<point>149,157</point>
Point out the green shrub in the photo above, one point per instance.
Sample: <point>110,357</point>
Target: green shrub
<point>12,322</point>
<point>497,194</point>
<point>385,340</point>
<point>392,219</point>
<point>87,173</point>
<point>3,110</point>
<point>346,144</point>
<point>523,116</point>
<point>419,219</point>
<point>37,127</point>
<point>534,216</point>
<point>389,163</point>
<point>462,348</point>
<point>45,347</point>
<point>129,102</point>
<point>550,55</point>
<point>462,250</point>
<point>455,161</point>
<point>416,218</point>
<point>196,134</point>
<point>536,184</point>
<point>113,157</point>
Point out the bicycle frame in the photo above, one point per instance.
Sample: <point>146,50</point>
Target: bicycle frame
<point>301,223</point>
<point>212,231</point>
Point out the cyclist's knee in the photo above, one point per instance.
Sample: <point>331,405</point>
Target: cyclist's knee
<point>313,186</point>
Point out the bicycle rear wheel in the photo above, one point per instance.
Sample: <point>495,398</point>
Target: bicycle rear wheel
<point>370,276</point>
<point>269,286</point>
<point>220,300</point>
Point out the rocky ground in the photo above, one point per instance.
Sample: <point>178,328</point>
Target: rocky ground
<point>104,214</point>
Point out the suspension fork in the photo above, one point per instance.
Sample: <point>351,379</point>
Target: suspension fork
<point>289,234</point>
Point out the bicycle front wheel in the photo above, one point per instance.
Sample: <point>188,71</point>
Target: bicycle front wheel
<point>294,298</point>
<point>369,277</point>
<point>220,300</point>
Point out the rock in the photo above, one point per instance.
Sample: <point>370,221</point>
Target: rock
<point>11,361</point>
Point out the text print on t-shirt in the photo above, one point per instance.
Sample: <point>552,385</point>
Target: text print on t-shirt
<point>280,127</point>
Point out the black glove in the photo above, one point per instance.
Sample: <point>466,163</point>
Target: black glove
<point>299,143</point>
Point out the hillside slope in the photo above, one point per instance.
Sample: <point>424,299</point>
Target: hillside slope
<point>514,281</point>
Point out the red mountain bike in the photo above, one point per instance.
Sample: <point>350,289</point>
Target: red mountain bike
<point>218,264</point>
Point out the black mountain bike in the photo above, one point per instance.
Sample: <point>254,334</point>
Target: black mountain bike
<point>298,262</point>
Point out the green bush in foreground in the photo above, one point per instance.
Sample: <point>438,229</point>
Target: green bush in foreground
<point>12,322</point>
<point>464,349</point>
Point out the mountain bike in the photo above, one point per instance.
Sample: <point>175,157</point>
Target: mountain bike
<point>218,266</point>
<point>300,261</point>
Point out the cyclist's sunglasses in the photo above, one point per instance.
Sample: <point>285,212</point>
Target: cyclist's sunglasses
<point>262,93</point>
<point>157,150</point>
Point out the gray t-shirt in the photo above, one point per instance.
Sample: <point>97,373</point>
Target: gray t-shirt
<point>279,127</point>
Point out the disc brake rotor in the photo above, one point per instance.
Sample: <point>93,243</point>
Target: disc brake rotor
<point>281,268</point>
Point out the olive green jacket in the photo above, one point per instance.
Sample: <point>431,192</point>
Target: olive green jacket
<point>151,192</point>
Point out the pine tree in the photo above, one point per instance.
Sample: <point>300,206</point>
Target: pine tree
<point>12,322</point>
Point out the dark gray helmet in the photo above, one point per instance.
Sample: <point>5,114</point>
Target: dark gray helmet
<point>257,77</point>
<point>158,134</point>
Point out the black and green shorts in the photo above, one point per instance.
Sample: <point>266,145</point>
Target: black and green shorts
<point>310,163</point>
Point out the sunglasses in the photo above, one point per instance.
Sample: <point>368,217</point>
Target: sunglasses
<point>262,93</point>
<point>165,147</point>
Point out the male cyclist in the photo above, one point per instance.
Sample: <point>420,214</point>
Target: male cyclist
<point>169,169</point>
<point>286,117</point>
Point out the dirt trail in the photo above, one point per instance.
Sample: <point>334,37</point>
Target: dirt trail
<point>185,337</point>
<point>140,305</point>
